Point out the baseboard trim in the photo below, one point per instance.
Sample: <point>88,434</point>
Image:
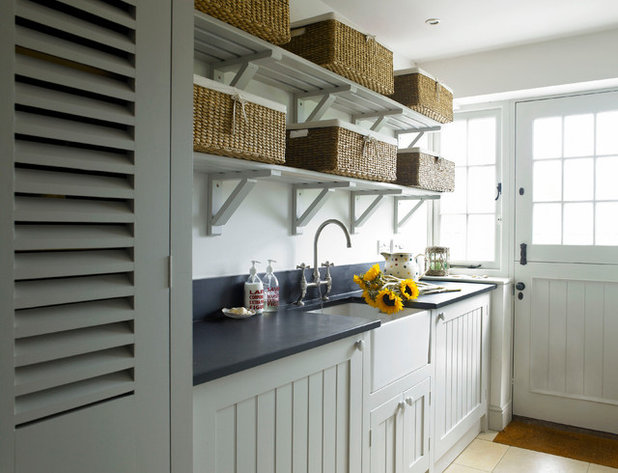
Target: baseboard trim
<point>500,417</point>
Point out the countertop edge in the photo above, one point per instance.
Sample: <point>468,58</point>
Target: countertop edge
<point>211,375</point>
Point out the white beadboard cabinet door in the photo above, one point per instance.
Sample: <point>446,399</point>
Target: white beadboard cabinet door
<point>385,436</point>
<point>461,372</point>
<point>415,431</point>
<point>297,414</point>
<point>85,166</point>
<point>399,432</point>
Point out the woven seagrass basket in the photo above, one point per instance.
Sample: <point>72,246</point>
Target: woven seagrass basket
<point>266,19</point>
<point>424,95</point>
<point>420,169</point>
<point>345,51</point>
<point>342,151</point>
<point>227,123</point>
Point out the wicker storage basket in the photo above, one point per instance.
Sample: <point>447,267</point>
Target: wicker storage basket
<point>420,169</point>
<point>230,122</point>
<point>338,47</point>
<point>266,19</point>
<point>335,147</point>
<point>419,91</point>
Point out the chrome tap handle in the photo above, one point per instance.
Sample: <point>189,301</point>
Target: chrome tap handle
<point>328,279</point>
<point>303,283</point>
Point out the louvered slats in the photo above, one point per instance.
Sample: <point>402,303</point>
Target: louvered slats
<point>72,25</point>
<point>50,347</point>
<point>57,264</point>
<point>64,102</point>
<point>73,209</point>
<point>43,320</point>
<point>72,130</point>
<point>52,401</point>
<point>41,69</point>
<point>27,152</point>
<point>63,237</point>
<point>68,50</point>
<point>31,181</point>
<point>42,376</point>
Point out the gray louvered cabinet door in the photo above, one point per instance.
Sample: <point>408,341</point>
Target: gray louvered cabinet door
<point>85,162</point>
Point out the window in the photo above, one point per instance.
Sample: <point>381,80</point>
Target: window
<point>574,194</point>
<point>467,218</point>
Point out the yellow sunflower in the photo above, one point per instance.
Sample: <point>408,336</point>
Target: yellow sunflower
<point>409,289</point>
<point>370,302</point>
<point>373,273</point>
<point>388,302</point>
<point>358,280</point>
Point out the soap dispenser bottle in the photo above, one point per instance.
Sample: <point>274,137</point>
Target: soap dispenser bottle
<point>254,291</point>
<point>271,289</point>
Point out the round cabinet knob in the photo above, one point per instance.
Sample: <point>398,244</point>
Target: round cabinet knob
<point>441,316</point>
<point>409,401</point>
<point>401,405</point>
<point>360,345</point>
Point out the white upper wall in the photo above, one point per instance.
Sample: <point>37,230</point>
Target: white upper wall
<point>572,60</point>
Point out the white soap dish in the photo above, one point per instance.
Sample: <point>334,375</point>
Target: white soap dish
<point>238,313</point>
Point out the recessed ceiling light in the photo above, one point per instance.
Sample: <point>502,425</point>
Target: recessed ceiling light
<point>432,21</point>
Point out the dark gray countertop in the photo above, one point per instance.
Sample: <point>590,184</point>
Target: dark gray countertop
<point>222,346</point>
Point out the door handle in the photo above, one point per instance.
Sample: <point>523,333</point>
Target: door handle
<point>523,254</point>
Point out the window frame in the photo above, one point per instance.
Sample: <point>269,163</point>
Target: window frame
<point>497,266</point>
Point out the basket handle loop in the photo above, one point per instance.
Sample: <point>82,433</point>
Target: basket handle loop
<point>236,98</point>
<point>437,90</point>
<point>369,141</point>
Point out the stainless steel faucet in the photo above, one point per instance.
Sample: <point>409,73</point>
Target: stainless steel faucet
<point>317,282</point>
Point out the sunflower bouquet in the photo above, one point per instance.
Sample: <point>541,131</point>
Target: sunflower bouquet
<point>384,291</point>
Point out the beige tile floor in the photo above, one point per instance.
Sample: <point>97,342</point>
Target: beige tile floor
<point>483,456</point>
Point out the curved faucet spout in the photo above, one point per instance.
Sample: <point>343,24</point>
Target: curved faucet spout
<point>316,271</point>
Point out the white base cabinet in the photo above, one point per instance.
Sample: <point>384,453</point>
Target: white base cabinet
<point>461,359</point>
<point>406,397</point>
<point>299,413</point>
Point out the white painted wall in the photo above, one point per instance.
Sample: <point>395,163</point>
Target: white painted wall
<point>260,230</point>
<point>576,59</point>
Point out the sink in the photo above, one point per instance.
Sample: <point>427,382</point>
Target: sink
<point>399,346</point>
<point>359,309</point>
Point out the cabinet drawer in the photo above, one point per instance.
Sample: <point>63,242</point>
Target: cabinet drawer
<point>399,348</point>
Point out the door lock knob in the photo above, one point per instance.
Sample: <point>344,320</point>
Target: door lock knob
<point>520,286</point>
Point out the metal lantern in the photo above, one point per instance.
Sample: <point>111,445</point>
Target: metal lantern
<point>437,261</point>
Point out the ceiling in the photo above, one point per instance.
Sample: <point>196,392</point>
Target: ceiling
<point>472,25</point>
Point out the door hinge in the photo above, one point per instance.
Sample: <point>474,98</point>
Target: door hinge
<point>370,432</point>
<point>169,271</point>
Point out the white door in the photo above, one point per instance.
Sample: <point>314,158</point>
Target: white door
<point>566,306</point>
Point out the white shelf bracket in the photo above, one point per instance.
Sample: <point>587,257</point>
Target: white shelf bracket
<point>298,222</point>
<point>398,223</point>
<point>416,140</point>
<point>423,129</point>
<point>323,105</point>
<point>249,65</point>
<point>244,75</point>
<point>378,124</point>
<point>380,117</point>
<point>370,210</point>
<point>328,98</point>
<point>246,182</point>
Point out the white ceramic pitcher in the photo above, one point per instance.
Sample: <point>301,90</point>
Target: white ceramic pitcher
<point>403,265</point>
